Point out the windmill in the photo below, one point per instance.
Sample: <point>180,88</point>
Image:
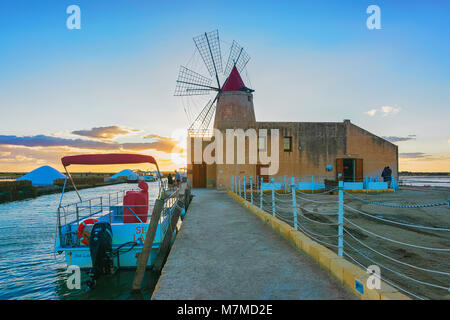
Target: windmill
<point>191,83</point>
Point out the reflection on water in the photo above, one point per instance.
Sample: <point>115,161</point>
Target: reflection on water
<point>29,267</point>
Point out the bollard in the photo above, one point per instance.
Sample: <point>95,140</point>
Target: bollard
<point>341,219</point>
<point>235,186</point>
<point>294,203</point>
<point>273,197</point>
<point>251,190</point>
<point>245,192</point>
<point>261,195</point>
<point>232,183</point>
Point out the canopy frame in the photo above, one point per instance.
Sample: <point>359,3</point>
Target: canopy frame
<point>106,159</point>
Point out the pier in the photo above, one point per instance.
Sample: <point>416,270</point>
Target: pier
<point>223,251</point>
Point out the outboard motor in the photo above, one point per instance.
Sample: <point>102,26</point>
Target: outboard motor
<point>100,245</point>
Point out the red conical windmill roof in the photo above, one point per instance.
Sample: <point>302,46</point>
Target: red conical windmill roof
<point>234,81</point>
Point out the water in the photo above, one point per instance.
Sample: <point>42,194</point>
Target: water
<point>420,181</point>
<point>29,267</point>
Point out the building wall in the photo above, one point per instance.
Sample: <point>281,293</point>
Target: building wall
<point>375,151</point>
<point>314,146</point>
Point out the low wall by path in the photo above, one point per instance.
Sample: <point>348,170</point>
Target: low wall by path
<point>225,252</point>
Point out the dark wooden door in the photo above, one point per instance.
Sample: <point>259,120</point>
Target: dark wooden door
<point>339,168</point>
<point>359,174</point>
<point>199,175</point>
<point>258,172</point>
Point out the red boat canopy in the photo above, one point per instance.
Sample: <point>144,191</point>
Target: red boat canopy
<point>234,81</point>
<point>108,158</point>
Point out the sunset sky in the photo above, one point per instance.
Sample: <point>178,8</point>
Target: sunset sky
<point>109,86</point>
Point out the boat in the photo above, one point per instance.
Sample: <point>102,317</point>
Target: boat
<point>117,222</point>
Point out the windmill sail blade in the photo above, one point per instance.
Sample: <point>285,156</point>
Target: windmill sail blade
<point>237,57</point>
<point>203,120</point>
<point>208,46</point>
<point>191,83</point>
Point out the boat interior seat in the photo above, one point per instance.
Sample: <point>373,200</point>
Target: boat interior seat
<point>135,204</point>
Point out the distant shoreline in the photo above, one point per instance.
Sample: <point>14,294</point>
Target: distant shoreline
<point>408,173</point>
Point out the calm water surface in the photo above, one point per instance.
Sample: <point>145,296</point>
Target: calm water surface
<point>30,268</point>
<point>421,181</point>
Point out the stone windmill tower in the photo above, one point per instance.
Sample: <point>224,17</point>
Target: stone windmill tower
<point>230,101</point>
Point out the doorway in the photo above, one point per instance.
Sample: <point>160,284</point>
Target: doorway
<point>199,175</point>
<point>351,169</point>
<point>258,172</point>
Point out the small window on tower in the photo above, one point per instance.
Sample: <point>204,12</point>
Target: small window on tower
<point>262,143</point>
<point>287,143</point>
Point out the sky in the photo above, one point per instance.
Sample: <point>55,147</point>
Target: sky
<point>108,87</point>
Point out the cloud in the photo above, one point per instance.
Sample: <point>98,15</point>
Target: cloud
<point>24,159</point>
<point>384,111</point>
<point>398,139</point>
<point>19,153</point>
<point>109,132</point>
<point>51,141</point>
<point>160,143</point>
<point>371,113</point>
<point>165,144</point>
<point>387,110</point>
<point>412,155</point>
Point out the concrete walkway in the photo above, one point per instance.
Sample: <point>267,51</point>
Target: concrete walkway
<point>223,251</point>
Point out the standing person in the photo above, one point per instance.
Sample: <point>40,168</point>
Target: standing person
<point>170,181</point>
<point>388,176</point>
<point>384,173</point>
<point>178,178</point>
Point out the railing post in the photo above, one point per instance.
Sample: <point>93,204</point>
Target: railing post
<point>294,203</point>
<point>312,184</point>
<point>273,197</point>
<point>341,219</point>
<point>245,193</point>
<point>285,184</point>
<point>240,194</point>
<point>251,190</point>
<point>261,195</point>
<point>59,227</point>
<point>232,184</point>
<point>78,214</point>
<point>235,185</point>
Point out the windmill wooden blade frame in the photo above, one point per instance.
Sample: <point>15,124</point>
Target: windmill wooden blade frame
<point>208,45</point>
<point>238,57</point>
<point>203,120</point>
<point>191,83</point>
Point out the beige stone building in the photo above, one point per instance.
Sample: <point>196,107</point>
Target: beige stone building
<point>306,150</point>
